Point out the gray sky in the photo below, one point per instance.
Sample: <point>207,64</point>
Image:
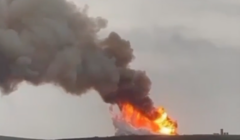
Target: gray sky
<point>189,48</point>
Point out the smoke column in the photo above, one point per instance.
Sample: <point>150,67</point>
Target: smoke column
<point>53,41</point>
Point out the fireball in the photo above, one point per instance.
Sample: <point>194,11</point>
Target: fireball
<point>162,125</point>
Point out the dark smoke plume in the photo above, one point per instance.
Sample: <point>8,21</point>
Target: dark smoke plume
<point>52,41</point>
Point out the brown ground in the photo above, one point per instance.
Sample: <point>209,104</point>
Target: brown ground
<point>181,137</point>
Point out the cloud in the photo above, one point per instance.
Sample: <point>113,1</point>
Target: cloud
<point>215,20</point>
<point>193,77</point>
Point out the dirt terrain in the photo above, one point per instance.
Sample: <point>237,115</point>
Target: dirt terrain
<point>181,137</point>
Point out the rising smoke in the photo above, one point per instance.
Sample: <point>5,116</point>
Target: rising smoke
<point>53,41</point>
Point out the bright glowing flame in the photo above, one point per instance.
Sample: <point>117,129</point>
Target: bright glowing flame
<point>162,125</point>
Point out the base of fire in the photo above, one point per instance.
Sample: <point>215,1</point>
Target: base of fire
<point>125,126</point>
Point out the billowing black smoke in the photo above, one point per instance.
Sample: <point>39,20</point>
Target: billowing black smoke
<point>52,41</point>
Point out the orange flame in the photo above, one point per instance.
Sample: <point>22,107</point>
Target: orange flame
<point>162,125</point>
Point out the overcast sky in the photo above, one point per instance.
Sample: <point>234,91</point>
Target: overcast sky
<point>189,48</point>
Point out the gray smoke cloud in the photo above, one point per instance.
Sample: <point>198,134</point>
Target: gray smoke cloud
<point>53,41</point>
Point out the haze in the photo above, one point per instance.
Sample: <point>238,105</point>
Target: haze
<point>196,78</point>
